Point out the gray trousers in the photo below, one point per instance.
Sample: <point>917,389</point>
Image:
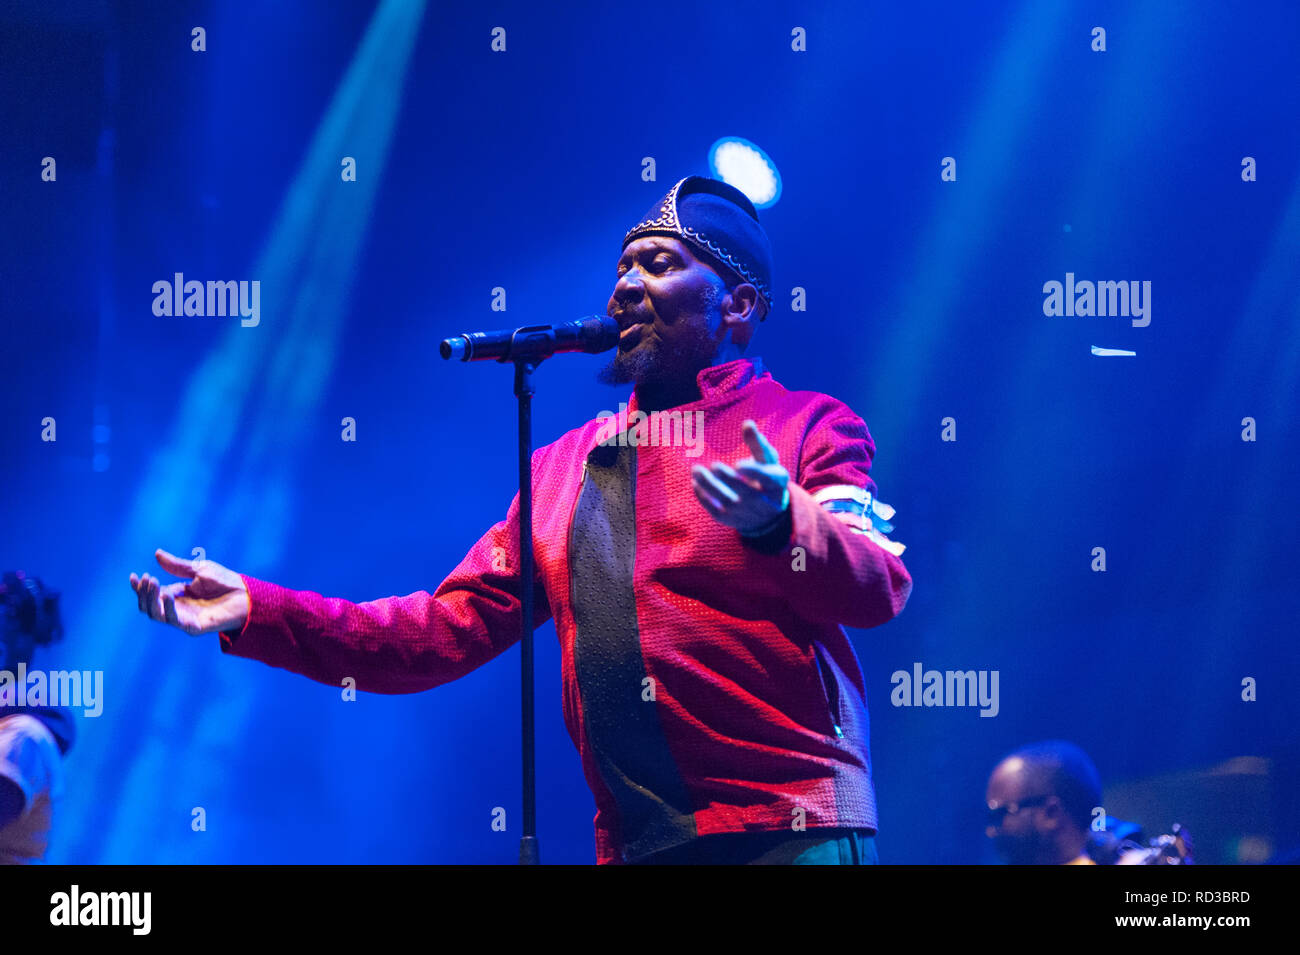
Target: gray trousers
<point>811,847</point>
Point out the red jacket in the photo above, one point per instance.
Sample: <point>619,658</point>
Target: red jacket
<point>741,705</point>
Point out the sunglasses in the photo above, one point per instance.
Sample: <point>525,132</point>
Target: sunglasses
<point>999,812</point>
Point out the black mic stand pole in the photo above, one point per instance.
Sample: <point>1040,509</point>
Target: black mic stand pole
<point>529,347</point>
<point>529,850</point>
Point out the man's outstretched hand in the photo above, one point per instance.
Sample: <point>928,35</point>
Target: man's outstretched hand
<point>215,597</point>
<point>753,495</point>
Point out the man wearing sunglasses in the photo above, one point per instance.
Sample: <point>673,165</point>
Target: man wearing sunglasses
<point>1040,800</point>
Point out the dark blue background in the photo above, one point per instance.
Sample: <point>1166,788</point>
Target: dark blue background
<point>523,170</point>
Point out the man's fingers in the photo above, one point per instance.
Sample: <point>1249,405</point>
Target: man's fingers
<point>146,595</point>
<point>142,594</point>
<point>708,503</point>
<point>706,478</point>
<point>169,609</point>
<point>174,565</point>
<point>155,600</point>
<point>759,446</point>
<point>758,474</point>
<point>711,504</point>
<point>737,482</point>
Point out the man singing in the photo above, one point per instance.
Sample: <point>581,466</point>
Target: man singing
<point>714,697</point>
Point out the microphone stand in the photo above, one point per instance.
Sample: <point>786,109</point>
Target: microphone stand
<point>528,347</point>
<point>529,849</point>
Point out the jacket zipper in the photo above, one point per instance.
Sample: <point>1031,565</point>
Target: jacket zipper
<point>832,700</point>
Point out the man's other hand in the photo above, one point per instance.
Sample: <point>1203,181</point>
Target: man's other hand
<point>752,496</point>
<point>214,599</point>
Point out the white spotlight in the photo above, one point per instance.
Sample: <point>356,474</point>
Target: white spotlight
<point>740,163</point>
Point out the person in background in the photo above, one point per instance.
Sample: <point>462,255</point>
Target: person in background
<point>33,738</point>
<point>1040,800</point>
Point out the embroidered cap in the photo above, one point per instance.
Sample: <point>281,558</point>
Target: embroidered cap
<point>720,225</point>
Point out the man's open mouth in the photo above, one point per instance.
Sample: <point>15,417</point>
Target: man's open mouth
<point>630,336</point>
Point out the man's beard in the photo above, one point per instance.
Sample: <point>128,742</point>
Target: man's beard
<point>680,361</point>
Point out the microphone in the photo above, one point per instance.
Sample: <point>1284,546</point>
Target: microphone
<point>595,333</point>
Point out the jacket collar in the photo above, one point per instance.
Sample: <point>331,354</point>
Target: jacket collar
<point>720,379</point>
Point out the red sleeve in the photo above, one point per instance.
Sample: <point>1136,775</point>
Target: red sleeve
<point>396,644</point>
<point>838,567</point>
